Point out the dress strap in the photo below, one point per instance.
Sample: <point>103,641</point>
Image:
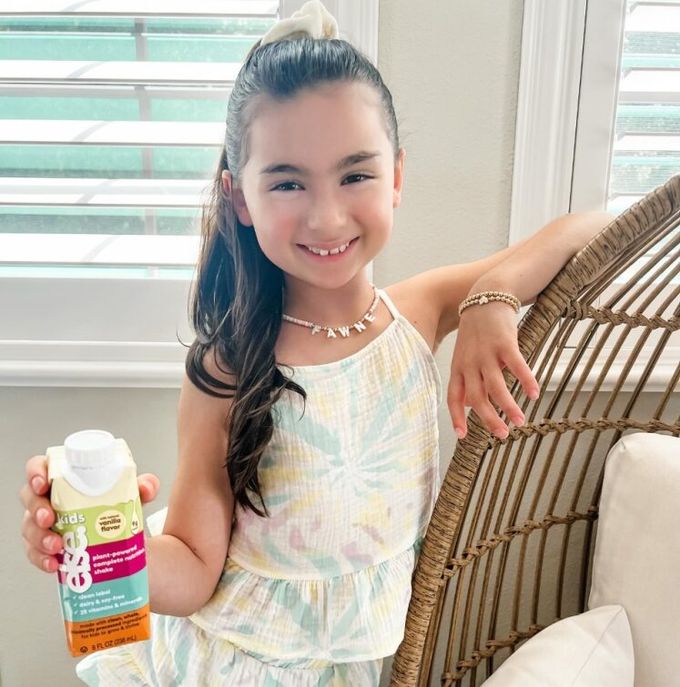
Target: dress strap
<point>390,305</point>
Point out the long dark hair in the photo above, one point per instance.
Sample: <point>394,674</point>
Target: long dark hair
<point>237,299</point>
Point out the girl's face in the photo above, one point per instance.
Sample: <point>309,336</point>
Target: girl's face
<point>320,172</point>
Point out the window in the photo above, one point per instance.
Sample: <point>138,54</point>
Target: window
<point>599,106</point>
<point>599,113</point>
<point>112,123</point>
<point>627,140</point>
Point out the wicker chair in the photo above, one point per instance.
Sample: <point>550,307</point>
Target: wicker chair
<point>510,543</point>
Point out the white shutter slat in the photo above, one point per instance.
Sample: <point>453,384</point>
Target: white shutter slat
<point>141,8</point>
<point>86,132</point>
<point>156,193</point>
<point>651,143</point>
<point>73,72</point>
<point>653,18</point>
<point>664,82</point>
<point>99,249</point>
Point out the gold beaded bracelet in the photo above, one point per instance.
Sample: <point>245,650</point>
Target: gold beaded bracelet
<point>485,297</point>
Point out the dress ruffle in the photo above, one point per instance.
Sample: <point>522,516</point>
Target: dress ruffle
<point>354,617</point>
<point>182,654</point>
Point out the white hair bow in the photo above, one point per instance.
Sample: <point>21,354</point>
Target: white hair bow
<point>312,19</point>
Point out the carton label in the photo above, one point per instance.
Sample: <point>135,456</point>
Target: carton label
<point>103,583</point>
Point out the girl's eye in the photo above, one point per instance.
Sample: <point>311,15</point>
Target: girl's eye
<point>287,186</point>
<point>352,178</point>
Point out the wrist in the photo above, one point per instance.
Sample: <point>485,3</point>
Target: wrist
<point>495,281</point>
<point>487,297</point>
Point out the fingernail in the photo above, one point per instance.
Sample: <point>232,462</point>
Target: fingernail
<point>533,394</point>
<point>46,564</point>
<point>502,433</point>
<point>47,542</point>
<point>37,483</point>
<point>460,432</point>
<point>518,419</point>
<point>42,515</point>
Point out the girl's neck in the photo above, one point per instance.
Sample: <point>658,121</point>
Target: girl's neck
<point>334,307</point>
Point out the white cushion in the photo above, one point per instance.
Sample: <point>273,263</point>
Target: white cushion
<point>593,649</point>
<point>637,550</point>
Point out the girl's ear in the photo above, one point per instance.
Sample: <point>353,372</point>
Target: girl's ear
<point>398,178</point>
<point>237,198</point>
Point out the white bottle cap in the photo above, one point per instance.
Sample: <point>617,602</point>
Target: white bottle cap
<point>90,448</point>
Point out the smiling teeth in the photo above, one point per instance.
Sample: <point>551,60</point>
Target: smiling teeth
<point>334,251</point>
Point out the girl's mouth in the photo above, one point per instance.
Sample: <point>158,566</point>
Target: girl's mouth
<point>329,257</point>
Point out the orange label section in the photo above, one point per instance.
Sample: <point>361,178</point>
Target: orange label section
<point>105,633</point>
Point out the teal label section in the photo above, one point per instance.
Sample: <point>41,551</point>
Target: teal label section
<point>107,598</point>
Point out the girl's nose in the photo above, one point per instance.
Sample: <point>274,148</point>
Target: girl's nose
<point>326,212</point>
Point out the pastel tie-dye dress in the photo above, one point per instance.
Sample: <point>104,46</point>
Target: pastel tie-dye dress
<point>317,593</point>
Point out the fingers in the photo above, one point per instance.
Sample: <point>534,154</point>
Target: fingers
<point>36,474</point>
<point>486,344</point>
<point>479,400</point>
<point>497,390</point>
<point>519,368</point>
<point>481,394</point>
<point>149,484</point>
<point>456,403</point>
<point>476,396</point>
<point>40,543</point>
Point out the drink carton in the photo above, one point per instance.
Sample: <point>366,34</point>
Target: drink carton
<point>102,575</point>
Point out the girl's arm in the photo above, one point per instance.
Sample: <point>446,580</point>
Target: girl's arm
<point>186,561</point>
<point>523,269</point>
<point>487,338</point>
<point>534,263</point>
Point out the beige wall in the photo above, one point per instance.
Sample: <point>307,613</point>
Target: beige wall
<point>453,70</point>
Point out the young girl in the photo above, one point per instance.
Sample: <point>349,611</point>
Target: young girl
<point>293,565</point>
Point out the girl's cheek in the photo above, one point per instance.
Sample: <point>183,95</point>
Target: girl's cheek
<point>286,219</point>
<point>379,214</point>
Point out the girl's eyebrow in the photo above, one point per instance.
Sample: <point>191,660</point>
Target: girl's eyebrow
<point>353,159</point>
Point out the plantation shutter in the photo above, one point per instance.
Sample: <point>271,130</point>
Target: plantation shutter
<point>646,149</point>
<point>112,122</point>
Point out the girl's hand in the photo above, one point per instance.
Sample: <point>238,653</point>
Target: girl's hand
<point>486,344</point>
<point>40,543</point>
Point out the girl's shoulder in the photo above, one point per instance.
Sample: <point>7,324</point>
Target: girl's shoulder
<point>414,299</point>
<point>431,298</point>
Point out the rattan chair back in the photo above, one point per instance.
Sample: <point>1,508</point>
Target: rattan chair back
<point>510,543</point>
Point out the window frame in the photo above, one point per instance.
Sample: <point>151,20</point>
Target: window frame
<point>120,332</point>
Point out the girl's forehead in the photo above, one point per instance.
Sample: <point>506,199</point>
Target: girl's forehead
<point>318,122</point>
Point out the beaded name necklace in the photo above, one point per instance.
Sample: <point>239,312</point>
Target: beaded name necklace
<point>344,331</point>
